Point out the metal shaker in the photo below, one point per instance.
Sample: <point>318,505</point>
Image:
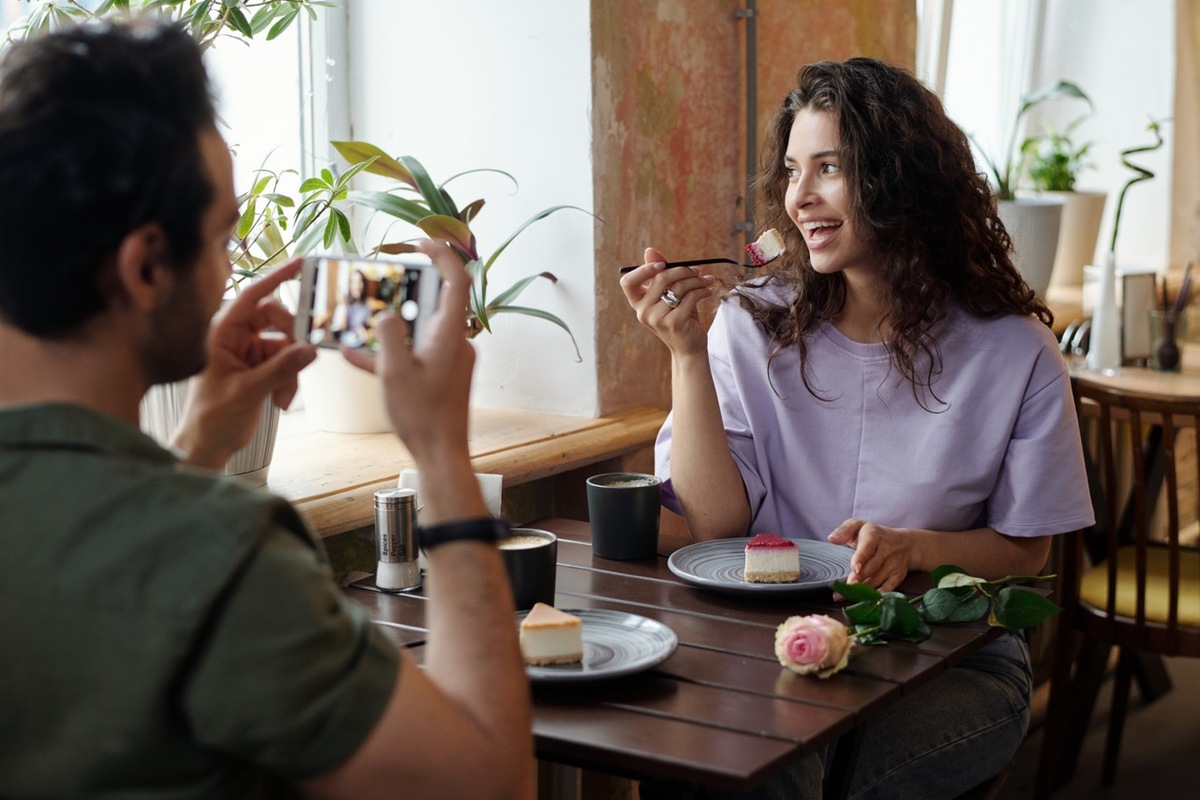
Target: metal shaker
<point>396,540</point>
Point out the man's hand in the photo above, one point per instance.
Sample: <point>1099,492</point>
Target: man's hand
<point>251,355</point>
<point>427,388</point>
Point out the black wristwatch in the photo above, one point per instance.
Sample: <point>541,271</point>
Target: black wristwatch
<point>481,529</point>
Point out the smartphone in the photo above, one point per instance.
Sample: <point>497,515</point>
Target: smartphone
<point>341,298</point>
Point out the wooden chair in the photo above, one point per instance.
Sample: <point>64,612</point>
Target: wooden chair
<point>1140,595</point>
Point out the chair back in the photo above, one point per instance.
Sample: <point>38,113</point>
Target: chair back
<point>1143,590</point>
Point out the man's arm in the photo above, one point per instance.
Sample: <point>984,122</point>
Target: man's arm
<point>462,726</point>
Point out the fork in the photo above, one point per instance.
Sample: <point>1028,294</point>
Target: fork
<point>697,262</point>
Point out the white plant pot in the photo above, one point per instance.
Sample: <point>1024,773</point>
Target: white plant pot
<point>1033,225</point>
<point>162,409</point>
<point>341,398</point>
<point>1081,216</point>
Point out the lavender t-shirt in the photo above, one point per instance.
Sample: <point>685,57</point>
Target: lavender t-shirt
<point>997,447</point>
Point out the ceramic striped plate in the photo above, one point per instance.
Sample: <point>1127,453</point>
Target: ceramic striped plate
<point>719,565</point>
<point>614,644</point>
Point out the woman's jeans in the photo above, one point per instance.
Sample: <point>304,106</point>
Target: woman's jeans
<point>950,735</point>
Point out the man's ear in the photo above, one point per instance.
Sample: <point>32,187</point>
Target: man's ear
<point>141,267</point>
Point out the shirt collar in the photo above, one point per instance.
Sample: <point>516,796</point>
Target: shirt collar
<point>62,426</point>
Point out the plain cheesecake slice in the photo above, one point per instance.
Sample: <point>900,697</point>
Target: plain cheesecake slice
<point>550,636</point>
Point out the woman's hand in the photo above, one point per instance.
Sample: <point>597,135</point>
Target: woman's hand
<point>679,327</point>
<point>882,555</point>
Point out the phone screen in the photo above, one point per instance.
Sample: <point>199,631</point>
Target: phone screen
<point>341,299</point>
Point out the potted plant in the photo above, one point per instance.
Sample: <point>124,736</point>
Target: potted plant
<point>1033,223</point>
<point>1054,164</point>
<point>1104,349</point>
<point>419,201</point>
<point>342,399</point>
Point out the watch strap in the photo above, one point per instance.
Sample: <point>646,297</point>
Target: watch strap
<point>480,529</point>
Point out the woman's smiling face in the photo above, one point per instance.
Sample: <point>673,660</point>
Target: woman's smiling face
<point>818,198</point>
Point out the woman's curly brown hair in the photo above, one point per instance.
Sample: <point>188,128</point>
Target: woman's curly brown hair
<point>916,199</point>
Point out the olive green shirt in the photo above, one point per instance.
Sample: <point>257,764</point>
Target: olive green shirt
<point>165,632</point>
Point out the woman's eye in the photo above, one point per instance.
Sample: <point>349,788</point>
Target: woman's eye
<point>793,173</point>
<point>830,169</point>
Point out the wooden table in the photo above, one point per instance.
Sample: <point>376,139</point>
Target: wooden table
<point>721,710</point>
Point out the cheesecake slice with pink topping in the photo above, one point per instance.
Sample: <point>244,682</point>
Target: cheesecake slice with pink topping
<point>772,559</point>
<point>766,249</point>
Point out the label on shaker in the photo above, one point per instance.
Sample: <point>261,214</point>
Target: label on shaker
<point>396,525</point>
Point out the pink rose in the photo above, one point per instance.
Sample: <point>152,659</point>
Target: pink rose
<point>813,644</point>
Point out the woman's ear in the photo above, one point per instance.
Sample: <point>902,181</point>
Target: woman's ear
<point>142,276</point>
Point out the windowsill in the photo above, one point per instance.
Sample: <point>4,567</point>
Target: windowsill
<point>332,477</point>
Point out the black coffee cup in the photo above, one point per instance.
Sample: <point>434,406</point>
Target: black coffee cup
<point>623,508</point>
<point>531,558</point>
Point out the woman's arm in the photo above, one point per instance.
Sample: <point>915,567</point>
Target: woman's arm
<point>703,473</point>
<point>884,556</point>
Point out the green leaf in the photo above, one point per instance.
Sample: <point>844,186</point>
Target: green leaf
<point>1021,608</point>
<point>539,216</point>
<point>312,185</point>
<point>281,200</point>
<point>237,20</point>
<point>973,609</point>
<point>261,185</point>
<point>900,620</point>
<point>539,314</point>
<point>511,293</point>
<point>1054,91</point>
<point>399,207</point>
<point>862,614</point>
<point>938,604</point>
<point>383,164</point>
<point>246,220</point>
<point>283,23</point>
<point>437,200</point>
<point>343,224</point>
<point>452,230</point>
<point>944,570</point>
<point>956,579</point>
<point>471,211</point>
<point>858,592</point>
<point>331,228</point>
<point>327,176</point>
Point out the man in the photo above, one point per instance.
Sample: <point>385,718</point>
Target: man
<point>167,632</point>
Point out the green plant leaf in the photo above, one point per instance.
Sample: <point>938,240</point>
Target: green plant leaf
<point>539,216</point>
<point>399,207</point>
<point>858,592</point>
<point>511,293</point>
<point>312,185</point>
<point>539,314</point>
<point>863,614</point>
<point>237,20</point>
<point>439,202</point>
<point>283,23</point>
<point>452,230</point>
<point>938,604</point>
<point>944,570</point>
<point>1017,608</point>
<point>385,165</point>
<point>900,620</point>
<point>246,220</point>
<point>471,211</point>
<point>974,608</point>
<point>957,579</point>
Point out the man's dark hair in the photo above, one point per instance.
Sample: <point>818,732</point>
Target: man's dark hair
<point>99,133</point>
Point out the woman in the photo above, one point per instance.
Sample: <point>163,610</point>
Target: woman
<point>892,386</point>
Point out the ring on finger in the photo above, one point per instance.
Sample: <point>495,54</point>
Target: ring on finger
<point>670,298</point>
